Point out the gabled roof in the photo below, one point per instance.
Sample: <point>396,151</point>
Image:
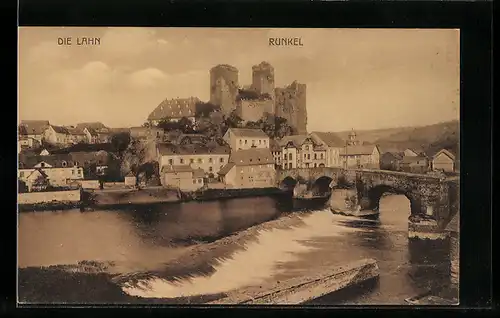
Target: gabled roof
<point>175,108</point>
<point>92,125</point>
<point>34,127</point>
<point>329,138</point>
<point>60,130</point>
<point>394,154</point>
<point>224,170</point>
<point>92,131</point>
<point>446,152</point>
<point>56,161</point>
<point>248,132</point>
<point>192,138</point>
<point>108,147</point>
<point>75,131</point>
<point>38,171</point>
<point>295,140</point>
<point>357,150</point>
<point>253,156</point>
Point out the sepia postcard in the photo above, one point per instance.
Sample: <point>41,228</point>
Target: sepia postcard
<point>238,166</point>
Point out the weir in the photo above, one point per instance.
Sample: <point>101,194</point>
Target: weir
<point>300,290</point>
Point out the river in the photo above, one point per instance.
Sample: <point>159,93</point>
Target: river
<point>172,250</point>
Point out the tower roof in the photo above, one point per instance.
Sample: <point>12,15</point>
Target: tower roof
<point>225,67</point>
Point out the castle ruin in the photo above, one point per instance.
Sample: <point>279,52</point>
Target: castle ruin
<point>260,98</point>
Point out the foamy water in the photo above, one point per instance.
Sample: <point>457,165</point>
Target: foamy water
<point>252,266</point>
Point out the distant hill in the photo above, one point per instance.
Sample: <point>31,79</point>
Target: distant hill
<point>429,138</point>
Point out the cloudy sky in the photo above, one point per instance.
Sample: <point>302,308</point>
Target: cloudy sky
<point>356,78</point>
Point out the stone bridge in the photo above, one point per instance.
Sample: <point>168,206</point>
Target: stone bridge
<point>432,198</point>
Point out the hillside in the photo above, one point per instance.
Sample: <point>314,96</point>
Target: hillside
<point>429,138</point>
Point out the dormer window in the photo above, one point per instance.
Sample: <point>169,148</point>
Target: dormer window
<point>64,164</point>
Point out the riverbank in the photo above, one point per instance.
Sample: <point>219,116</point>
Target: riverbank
<point>50,206</point>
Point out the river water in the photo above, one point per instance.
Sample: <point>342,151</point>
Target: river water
<point>172,250</point>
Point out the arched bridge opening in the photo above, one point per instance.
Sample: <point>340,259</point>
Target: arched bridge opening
<point>321,187</point>
<point>381,192</point>
<point>288,184</point>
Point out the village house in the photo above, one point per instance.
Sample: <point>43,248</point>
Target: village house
<point>33,129</point>
<point>409,152</point>
<point>99,161</point>
<point>92,135</point>
<point>245,138</point>
<point>77,135</point>
<point>333,143</point>
<point>174,109</point>
<point>414,164</point>
<point>59,169</point>
<point>277,154</point>
<point>147,133</point>
<point>210,158</point>
<point>360,157</point>
<point>249,168</point>
<point>443,160</point>
<point>57,135</point>
<point>391,160</point>
<point>301,151</point>
<point>37,180</point>
<point>182,177</point>
<point>25,142</point>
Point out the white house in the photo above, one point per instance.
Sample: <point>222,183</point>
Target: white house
<point>443,160</point>
<point>57,135</point>
<point>59,169</point>
<point>245,138</point>
<point>334,146</point>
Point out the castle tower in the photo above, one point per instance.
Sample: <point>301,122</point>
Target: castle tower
<point>263,78</point>
<point>224,87</point>
<point>291,105</point>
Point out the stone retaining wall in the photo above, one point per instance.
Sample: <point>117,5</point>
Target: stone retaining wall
<point>45,197</point>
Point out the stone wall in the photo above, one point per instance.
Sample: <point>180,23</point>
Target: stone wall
<point>44,197</point>
<point>89,184</point>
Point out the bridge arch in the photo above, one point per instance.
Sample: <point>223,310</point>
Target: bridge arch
<point>372,199</point>
<point>321,186</point>
<point>288,184</point>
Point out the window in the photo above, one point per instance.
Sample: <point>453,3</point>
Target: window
<point>305,156</point>
<point>42,164</point>
<point>241,141</point>
<point>182,161</point>
<point>73,171</point>
<point>246,141</point>
<point>315,165</point>
<point>210,169</point>
<point>194,181</point>
<point>200,181</point>
<point>200,160</point>
<point>170,161</point>
<point>321,155</point>
<point>289,156</point>
<point>315,156</point>
<point>307,147</point>
<point>308,156</point>
<point>210,160</point>
<point>260,142</point>
<point>64,163</point>
<point>221,160</point>
<point>253,142</point>
<point>264,141</point>
<point>191,160</point>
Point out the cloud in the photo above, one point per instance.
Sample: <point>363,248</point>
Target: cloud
<point>146,78</point>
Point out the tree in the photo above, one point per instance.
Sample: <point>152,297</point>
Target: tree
<point>203,110</point>
<point>120,141</point>
<point>186,125</point>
